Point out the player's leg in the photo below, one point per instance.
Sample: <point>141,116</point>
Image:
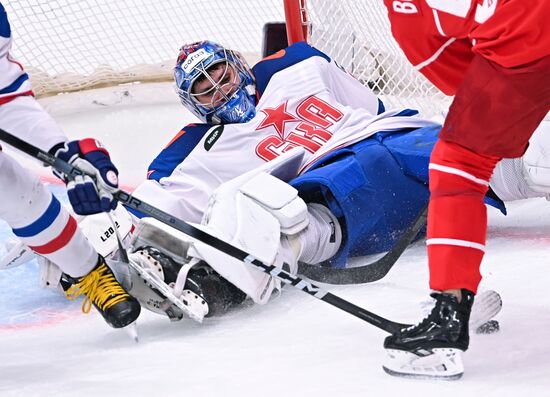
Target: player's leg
<point>471,143</point>
<point>493,115</point>
<point>42,223</point>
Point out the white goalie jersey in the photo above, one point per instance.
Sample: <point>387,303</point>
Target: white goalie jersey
<point>305,100</point>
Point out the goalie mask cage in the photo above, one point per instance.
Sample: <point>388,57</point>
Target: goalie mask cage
<point>71,45</point>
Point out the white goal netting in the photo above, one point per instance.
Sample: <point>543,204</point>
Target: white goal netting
<point>70,45</point>
<point>357,35</point>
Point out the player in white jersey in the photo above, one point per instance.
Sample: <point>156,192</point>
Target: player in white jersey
<point>35,215</point>
<point>363,172</point>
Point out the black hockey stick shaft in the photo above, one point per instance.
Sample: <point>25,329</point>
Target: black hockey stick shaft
<point>370,272</point>
<point>206,238</point>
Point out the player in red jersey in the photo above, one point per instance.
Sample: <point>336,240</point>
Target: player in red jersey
<point>494,56</point>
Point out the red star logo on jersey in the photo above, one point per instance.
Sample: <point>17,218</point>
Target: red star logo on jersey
<point>277,117</point>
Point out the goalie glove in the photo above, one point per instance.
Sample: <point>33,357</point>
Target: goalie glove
<point>89,195</point>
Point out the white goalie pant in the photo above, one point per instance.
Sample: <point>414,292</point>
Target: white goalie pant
<point>527,176</point>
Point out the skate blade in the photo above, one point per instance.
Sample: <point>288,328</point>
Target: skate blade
<point>441,364</point>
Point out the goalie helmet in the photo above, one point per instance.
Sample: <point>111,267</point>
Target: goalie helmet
<point>215,84</point>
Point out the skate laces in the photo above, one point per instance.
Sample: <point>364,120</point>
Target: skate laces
<point>100,287</point>
<point>429,308</point>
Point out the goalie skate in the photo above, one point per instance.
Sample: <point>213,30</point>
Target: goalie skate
<point>195,282</point>
<point>158,296</point>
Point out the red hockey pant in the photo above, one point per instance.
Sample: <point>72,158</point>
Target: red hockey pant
<point>457,217</point>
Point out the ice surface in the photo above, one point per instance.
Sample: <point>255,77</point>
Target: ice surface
<point>295,345</point>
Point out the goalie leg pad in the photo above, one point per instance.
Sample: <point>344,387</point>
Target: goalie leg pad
<point>17,254</point>
<point>151,232</point>
<point>99,229</point>
<point>251,212</point>
<point>279,199</point>
<point>249,227</point>
<point>509,181</point>
<point>536,160</point>
<point>527,176</point>
<point>49,274</point>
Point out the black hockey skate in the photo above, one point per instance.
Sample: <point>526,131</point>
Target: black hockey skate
<point>107,295</point>
<point>433,348</point>
<point>217,293</point>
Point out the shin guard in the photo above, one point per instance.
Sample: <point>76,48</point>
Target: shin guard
<point>457,217</point>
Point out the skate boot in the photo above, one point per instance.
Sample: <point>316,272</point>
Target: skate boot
<point>219,294</point>
<point>201,281</point>
<point>433,348</point>
<point>107,295</point>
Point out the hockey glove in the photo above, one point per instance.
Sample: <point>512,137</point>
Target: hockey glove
<point>89,195</point>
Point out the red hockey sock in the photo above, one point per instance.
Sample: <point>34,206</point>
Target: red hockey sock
<point>457,217</point>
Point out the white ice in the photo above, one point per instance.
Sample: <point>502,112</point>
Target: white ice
<point>295,345</point>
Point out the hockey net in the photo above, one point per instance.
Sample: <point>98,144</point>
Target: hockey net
<point>357,35</point>
<point>71,45</point>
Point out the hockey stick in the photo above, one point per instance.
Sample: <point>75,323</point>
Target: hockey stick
<point>206,238</point>
<point>371,272</point>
